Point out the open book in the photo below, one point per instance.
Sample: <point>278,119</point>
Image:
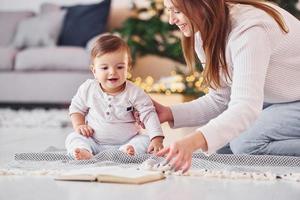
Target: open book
<point>112,174</point>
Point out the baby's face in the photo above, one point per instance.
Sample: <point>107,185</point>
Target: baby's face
<point>110,70</point>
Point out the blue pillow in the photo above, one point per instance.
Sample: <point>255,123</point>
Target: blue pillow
<point>82,22</point>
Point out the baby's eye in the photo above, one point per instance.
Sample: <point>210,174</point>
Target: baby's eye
<point>120,67</point>
<point>104,68</point>
<point>176,12</point>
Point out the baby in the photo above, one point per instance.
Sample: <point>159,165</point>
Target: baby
<point>101,110</point>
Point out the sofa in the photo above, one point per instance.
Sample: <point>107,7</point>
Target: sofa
<point>39,69</point>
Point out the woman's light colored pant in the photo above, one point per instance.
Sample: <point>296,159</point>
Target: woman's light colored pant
<point>275,132</point>
<point>75,140</point>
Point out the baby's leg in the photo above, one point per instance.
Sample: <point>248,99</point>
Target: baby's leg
<point>136,145</point>
<point>79,146</point>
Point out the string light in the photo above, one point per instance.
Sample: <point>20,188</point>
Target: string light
<point>175,83</point>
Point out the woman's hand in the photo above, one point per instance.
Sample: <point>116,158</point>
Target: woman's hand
<point>179,153</point>
<point>136,116</point>
<point>164,112</point>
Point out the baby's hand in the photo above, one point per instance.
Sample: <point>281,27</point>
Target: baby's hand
<point>156,144</point>
<point>84,130</point>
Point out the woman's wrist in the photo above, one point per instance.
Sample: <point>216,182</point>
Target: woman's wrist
<point>170,118</point>
<point>199,141</point>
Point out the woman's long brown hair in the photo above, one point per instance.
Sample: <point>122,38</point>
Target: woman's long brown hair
<point>212,19</point>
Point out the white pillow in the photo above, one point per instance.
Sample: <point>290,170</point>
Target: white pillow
<point>49,7</point>
<point>41,30</point>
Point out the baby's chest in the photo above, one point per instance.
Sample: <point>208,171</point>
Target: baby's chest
<point>113,109</point>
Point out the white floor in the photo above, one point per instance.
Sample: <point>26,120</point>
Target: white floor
<point>17,140</point>
<point>13,140</point>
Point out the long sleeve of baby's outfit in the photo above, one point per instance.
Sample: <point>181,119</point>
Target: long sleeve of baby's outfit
<point>143,104</point>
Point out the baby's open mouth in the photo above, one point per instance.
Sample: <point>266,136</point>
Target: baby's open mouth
<point>113,79</point>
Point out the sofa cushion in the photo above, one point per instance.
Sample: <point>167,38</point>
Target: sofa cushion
<point>7,55</point>
<point>8,22</point>
<point>49,7</point>
<point>41,30</point>
<point>52,58</point>
<point>82,22</point>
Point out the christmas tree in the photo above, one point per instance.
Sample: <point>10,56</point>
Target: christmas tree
<point>150,26</point>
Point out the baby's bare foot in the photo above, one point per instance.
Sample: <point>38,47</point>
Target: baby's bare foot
<point>130,150</point>
<point>82,154</point>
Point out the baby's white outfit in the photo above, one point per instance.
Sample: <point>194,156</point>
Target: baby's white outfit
<point>112,120</point>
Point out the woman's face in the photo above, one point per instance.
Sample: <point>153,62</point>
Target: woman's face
<point>179,19</point>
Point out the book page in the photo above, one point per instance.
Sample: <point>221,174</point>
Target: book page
<point>85,174</point>
<point>126,172</point>
<point>112,174</point>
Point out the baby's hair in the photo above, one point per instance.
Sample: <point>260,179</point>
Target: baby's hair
<point>108,43</point>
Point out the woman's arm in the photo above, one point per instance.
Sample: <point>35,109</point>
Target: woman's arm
<point>250,54</point>
<point>164,112</point>
<point>202,110</point>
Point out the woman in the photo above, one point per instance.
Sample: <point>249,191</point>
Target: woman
<point>251,55</point>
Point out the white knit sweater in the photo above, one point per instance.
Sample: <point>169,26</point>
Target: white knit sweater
<point>264,64</point>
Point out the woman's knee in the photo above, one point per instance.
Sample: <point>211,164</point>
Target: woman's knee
<point>241,146</point>
<point>276,123</point>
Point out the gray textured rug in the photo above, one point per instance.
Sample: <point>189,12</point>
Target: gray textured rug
<point>263,167</point>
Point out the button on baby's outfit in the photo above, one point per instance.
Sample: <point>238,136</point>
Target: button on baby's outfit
<point>109,105</point>
<point>107,113</point>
